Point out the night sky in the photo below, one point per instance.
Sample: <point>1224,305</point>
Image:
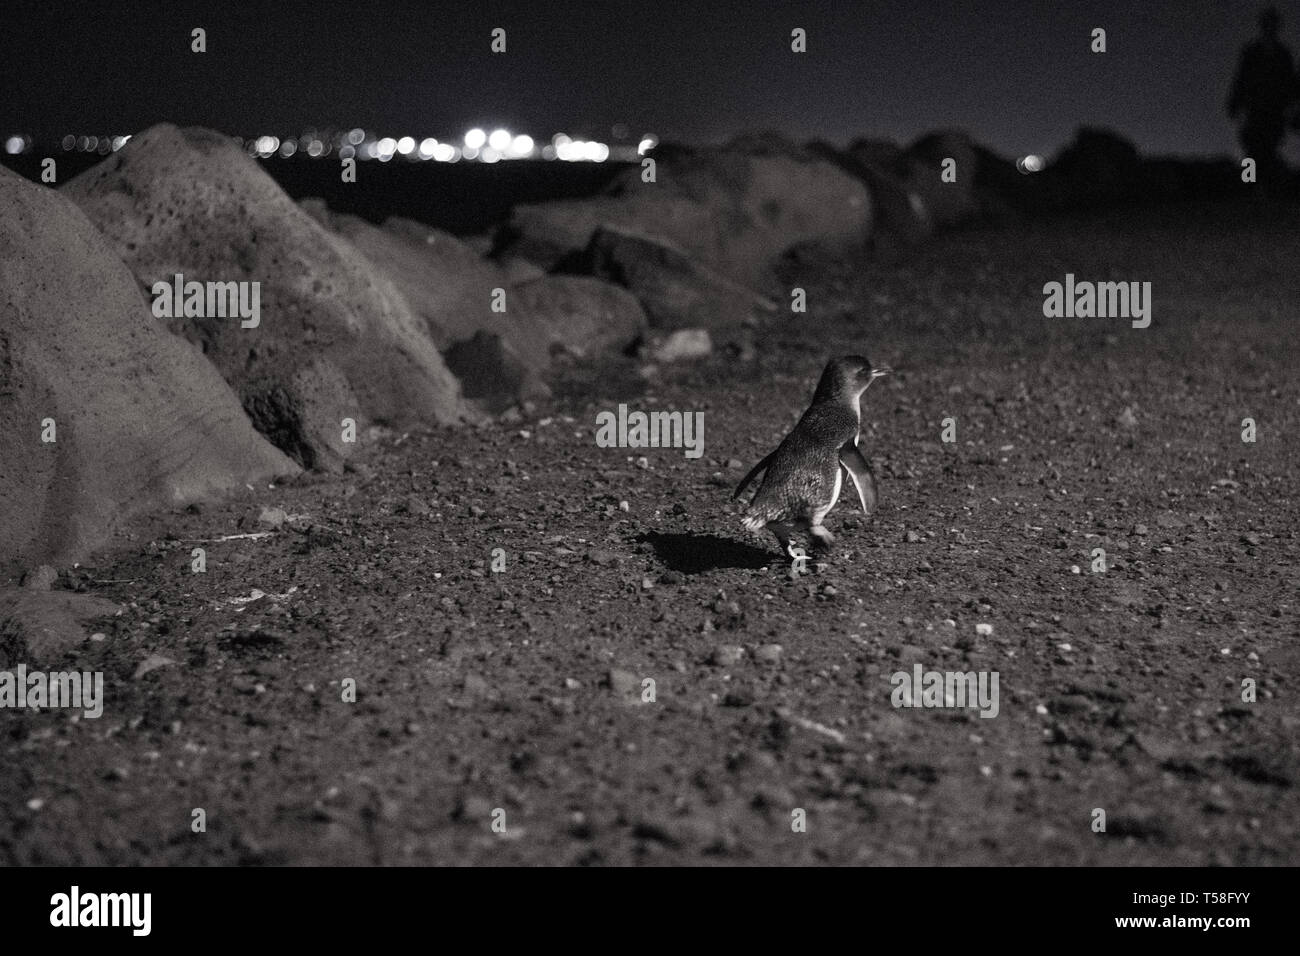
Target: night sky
<point>1017,74</point>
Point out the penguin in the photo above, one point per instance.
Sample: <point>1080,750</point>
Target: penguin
<point>803,477</point>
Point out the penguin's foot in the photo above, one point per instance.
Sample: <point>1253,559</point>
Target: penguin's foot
<point>782,535</point>
<point>822,539</point>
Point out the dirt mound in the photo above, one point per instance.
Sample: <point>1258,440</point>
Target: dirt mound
<point>737,208</point>
<point>189,202</point>
<point>138,419</point>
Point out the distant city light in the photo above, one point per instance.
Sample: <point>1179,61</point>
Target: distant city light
<point>479,145</point>
<point>1030,163</point>
<point>578,150</point>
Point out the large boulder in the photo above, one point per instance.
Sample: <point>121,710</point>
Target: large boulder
<point>737,208</point>
<point>922,175</point>
<point>499,356</point>
<point>901,217</point>
<point>578,314</point>
<point>675,289</point>
<point>908,187</point>
<point>336,339</point>
<point>1098,167</point>
<point>139,419</point>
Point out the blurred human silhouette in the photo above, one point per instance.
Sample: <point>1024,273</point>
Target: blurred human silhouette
<point>1264,90</point>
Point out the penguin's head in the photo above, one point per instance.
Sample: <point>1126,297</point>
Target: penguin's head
<point>845,379</point>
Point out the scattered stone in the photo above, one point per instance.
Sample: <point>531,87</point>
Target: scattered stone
<point>46,624</point>
<point>726,655</point>
<point>40,578</point>
<point>912,537</point>
<point>152,663</point>
<point>684,344</point>
<point>984,629</point>
<point>272,517</point>
<point>769,653</point>
<point>624,684</point>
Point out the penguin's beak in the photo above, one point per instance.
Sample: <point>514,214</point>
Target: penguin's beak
<point>878,372</point>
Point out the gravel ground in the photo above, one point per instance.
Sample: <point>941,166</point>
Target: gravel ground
<point>521,691</point>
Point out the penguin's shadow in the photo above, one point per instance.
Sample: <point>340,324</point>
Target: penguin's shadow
<point>697,553</point>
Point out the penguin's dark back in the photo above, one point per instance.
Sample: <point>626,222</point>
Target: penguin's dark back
<point>815,441</point>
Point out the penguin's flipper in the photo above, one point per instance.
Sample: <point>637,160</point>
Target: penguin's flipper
<point>754,473</point>
<point>856,467</point>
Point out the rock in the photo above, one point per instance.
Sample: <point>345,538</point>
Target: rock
<point>769,653</point>
<point>624,684</point>
<point>500,356</point>
<point>491,371</point>
<point>684,344</point>
<point>152,663</point>
<point>912,537</point>
<point>473,809</point>
<point>40,578</point>
<point>1099,167</point>
<point>578,314</point>
<point>518,271</point>
<point>899,212</point>
<point>726,655</point>
<point>476,686</point>
<point>675,290</point>
<point>736,208</point>
<point>43,625</point>
<point>984,630</point>
<point>191,202</point>
<point>272,517</point>
<point>944,203</point>
<point>303,414</point>
<point>141,420</point>
<point>603,558</point>
<point>1127,419</point>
